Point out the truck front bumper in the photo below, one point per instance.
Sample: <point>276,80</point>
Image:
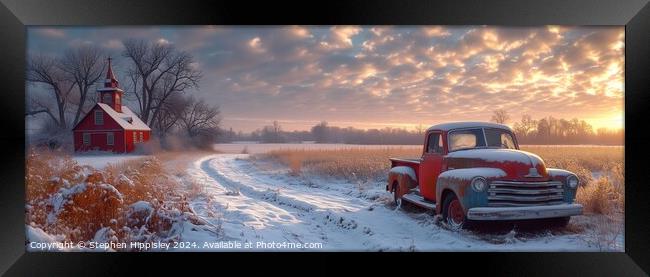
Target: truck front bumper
<point>516,213</point>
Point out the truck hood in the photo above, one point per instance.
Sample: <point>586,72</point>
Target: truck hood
<point>518,165</point>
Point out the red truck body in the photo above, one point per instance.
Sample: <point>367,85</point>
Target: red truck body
<point>474,171</point>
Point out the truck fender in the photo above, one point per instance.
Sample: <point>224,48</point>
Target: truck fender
<point>458,181</point>
<point>558,174</point>
<point>561,175</point>
<point>448,184</point>
<point>405,178</point>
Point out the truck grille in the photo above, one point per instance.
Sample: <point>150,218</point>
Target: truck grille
<point>508,193</point>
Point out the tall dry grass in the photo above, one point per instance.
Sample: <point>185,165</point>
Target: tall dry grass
<point>76,202</point>
<point>349,163</point>
<point>593,158</point>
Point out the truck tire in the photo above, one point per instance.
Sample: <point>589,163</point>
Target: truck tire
<point>453,214</point>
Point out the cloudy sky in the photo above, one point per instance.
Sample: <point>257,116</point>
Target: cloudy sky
<point>381,76</point>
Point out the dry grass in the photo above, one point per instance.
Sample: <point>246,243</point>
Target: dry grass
<point>75,201</point>
<point>349,163</point>
<point>593,158</point>
<point>601,197</point>
<point>46,175</point>
<point>603,231</point>
<point>176,162</point>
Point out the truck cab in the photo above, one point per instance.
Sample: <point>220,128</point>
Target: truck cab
<point>474,171</point>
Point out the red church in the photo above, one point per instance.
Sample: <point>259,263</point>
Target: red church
<point>109,126</point>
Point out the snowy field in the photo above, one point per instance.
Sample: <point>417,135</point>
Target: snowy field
<point>260,203</point>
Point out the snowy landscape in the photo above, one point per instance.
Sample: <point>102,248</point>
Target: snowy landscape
<point>244,138</point>
<point>235,199</point>
<point>273,206</point>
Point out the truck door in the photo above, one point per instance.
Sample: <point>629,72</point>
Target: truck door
<point>430,165</point>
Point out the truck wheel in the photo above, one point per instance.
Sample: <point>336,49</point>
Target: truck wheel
<point>453,214</point>
<point>396,195</point>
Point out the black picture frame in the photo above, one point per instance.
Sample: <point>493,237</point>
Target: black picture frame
<point>15,15</point>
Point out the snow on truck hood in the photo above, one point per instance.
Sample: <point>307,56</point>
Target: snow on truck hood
<point>519,162</point>
<point>469,173</point>
<point>498,155</point>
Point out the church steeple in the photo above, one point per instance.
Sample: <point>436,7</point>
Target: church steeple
<point>111,94</point>
<point>111,81</point>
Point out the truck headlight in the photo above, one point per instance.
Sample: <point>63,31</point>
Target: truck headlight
<point>479,184</point>
<point>572,181</point>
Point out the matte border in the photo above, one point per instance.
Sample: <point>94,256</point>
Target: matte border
<point>16,14</point>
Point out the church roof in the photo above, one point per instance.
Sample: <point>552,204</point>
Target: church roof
<point>123,118</point>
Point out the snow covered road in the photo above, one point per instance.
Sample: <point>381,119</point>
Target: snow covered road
<point>259,202</point>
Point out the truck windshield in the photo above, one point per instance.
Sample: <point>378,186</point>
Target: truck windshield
<point>499,139</point>
<point>476,138</point>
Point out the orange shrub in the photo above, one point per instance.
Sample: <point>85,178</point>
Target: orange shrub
<point>599,197</point>
<point>87,209</point>
<point>80,202</point>
<point>46,173</point>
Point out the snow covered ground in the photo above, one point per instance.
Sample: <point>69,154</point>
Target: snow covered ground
<point>101,160</point>
<point>259,203</point>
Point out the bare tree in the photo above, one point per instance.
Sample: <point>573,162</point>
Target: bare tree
<point>500,116</point>
<point>47,70</point>
<point>526,126</point>
<point>199,118</point>
<point>85,66</point>
<point>146,59</point>
<point>419,129</point>
<point>543,130</point>
<point>182,76</point>
<point>157,72</point>
<point>132,88</point>
<point>171,113</point>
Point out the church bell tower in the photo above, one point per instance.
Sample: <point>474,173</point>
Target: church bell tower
<point>111,94</point>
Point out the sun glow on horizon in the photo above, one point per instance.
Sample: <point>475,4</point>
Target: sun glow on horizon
<point>613,122</point>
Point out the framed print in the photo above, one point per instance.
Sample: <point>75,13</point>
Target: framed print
<point>510,132</point>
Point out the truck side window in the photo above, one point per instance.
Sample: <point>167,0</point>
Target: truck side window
<point>434,143</point>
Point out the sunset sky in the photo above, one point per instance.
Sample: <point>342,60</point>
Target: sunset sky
<point>375,77</point>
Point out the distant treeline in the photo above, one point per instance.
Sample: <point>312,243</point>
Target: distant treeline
<point>529,131</point>
<point>323,133</point>
<point>550,130</point>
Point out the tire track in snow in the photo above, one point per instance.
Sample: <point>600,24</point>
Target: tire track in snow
<point>248,215</point>
<point>237,187</point>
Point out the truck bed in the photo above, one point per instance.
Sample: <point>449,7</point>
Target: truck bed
<point>410,162</point>
<point>413,196</point>
<point>404,160</point>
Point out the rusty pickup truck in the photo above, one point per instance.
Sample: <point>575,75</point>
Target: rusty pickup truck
<point>474,171</point>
